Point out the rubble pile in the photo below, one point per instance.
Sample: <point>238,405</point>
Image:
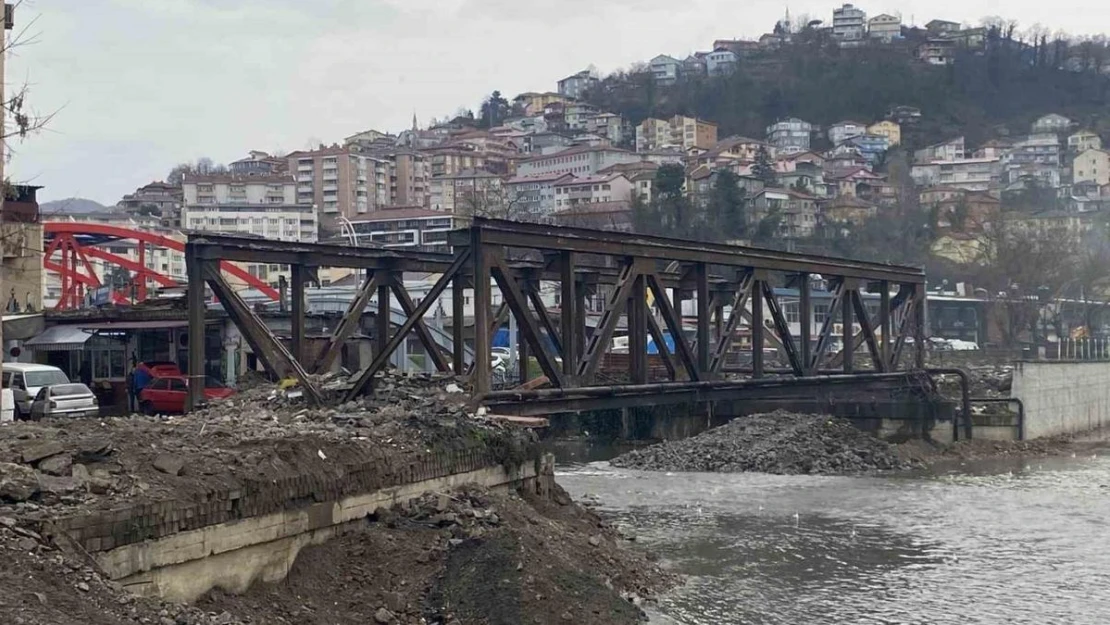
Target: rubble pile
<point>779,442</point>
<point>463,557</point>
<point>62,466</point>
<point>49,584</point>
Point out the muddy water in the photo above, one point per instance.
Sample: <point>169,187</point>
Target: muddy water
<point>995,542</point>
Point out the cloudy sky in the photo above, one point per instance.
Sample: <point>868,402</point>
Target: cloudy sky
<point>139,85</point>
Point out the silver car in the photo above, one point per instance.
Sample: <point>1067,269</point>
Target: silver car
<point>65,400</point>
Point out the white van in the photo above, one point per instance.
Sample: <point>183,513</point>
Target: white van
<point>26,380</point>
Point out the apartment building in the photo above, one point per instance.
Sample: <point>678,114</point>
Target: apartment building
<point>1040,149</point>
<point>842,131</point>
<point>468,192</point>
<point>678,132</point>
<point>580,161</point>
<point>408,227</point>
<point>534,195</point>
<point>576,85</point>
<point>948,151</point>
<point>885,27</point>
<point>849,23</point>
<point>971,174</point>
<point>613,187</point>
<point>264,206</point>
<point>333,179</point>
<point>790,135</point>
<point>1092,166</point>
<point>886,128</point>
<point>1084,140</point>
<point>257,163</point>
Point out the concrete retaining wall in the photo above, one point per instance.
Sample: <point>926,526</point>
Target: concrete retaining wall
<point>1063,397</point>
<point>180,551</point>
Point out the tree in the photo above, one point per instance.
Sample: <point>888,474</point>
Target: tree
<point>764,167</point>
<point>726,211</point>
<point>495,109</point>
<point>204,166</point>
<point>493,202</point>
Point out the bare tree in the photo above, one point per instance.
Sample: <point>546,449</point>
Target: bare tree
<point>493,202</point>
<point>1023,267</point>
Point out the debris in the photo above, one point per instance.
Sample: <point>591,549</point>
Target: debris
<point>56,465</point>
<point>17,482</point>
<point>33,454</point>
<point>778,442</point>
<point>320,452</point>
<point>595,540</point>
<point>169,463</point>
<point>453,388</point>
<point>383,616</point>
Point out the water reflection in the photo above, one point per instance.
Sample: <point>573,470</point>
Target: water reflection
<point>1001,541</point>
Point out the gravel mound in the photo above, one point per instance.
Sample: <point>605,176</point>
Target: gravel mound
<point>779,442</point>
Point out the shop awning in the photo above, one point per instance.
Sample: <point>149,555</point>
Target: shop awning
<point>22,327</point>
<point>59,339</point>
<point>135,325</point>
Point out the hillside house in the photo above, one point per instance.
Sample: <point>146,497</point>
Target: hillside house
<point>885,28</point>
<point>1092,166</point>
<point>790,135</point>
<point>1051,123</point>
<point>952,150</point>
<point>665,69</point>
<point>842,131</point>
<point>796,211</point>
<point>720,62</point>
<point>1084,140</point>
<point>575,85</point>
<point>886,128</point>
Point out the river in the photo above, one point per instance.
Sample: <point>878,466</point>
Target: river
<point>1003,541</point>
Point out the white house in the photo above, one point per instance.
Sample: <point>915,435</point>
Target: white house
<point>790,135</point>
<point>849,23</point>
<point>1092,166</point>
<point>842,131</point>
<point>885,27</point>
<point>1084,140</point>
<point>665,69</point>
<point>534,195</point>
<point>580,161</point>
<point>613,187</point>
<point>1051,123</point>
<point>721,61</point>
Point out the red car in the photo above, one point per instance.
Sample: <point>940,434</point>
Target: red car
<point>167,394</point>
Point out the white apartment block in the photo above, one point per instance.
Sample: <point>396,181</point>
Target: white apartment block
<point>262,206</point>
<point>580,161</point>
<point>592,190</point>
<point>971,174</point>
<point>849,23</point>
<point>885,27</point>
<point>790,136</point>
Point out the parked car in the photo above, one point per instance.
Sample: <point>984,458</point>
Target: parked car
<point>167,394</point>
<point>26,380</point>
<point>151,369</point>
<point>64,400</point>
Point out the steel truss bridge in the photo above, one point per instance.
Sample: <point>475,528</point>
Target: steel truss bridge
<point>727,285</point>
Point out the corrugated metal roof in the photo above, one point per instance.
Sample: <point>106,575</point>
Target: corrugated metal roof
<point>59,339</point>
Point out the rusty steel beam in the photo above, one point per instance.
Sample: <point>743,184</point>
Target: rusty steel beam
<point>347,325</point>
<point>638,332</point>
<point>382,357</point>
<point>265,345</point>
<point>906,314</point>
<point>826,328</point>
<point>422,332</point>
<point>672,318</point>
<point>545,319</point>
<point>603,333</point>
<point>739,309</point>
<point>559,238</point>
<point>526,324</point>
<point>567,315</point>
<point>195,269</point>
<point>782,327</point>
<point>701,275</point>
<point>867,332</point>
<point>660,342</point>
<point>458,323</point>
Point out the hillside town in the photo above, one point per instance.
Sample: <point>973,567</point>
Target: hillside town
<point>553,156</point>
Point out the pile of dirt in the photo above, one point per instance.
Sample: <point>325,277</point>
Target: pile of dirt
<point>779,442</point>
<point>46,585</point>
<point>73,465</point>
<point>466,557</point>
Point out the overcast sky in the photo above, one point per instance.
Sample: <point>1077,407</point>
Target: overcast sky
<point>139,85</point>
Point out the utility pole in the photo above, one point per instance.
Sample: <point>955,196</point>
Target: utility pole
<point>9,11</point>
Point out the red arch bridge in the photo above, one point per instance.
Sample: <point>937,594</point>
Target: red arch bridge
<point>71,246</point>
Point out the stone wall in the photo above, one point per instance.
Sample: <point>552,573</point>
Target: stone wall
<point>1063,397</point>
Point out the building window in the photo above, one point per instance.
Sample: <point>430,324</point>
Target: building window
<point>820,313</point>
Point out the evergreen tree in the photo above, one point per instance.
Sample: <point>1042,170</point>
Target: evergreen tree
<point>726,211</point>
<point>764,167</point>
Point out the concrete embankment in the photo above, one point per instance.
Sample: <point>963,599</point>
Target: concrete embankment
<point>117,521</point>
